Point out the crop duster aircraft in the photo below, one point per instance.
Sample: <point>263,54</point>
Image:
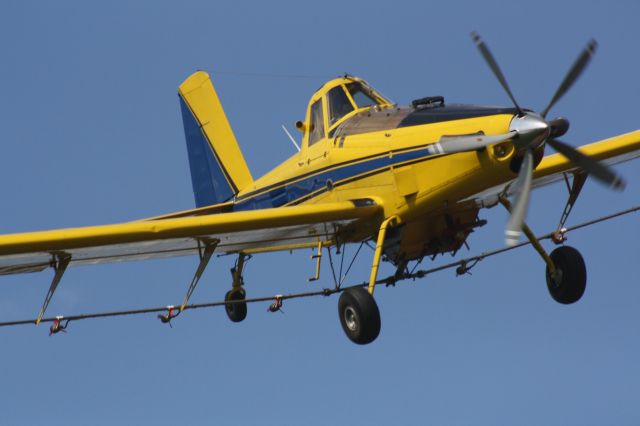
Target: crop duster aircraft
<point>409,179</point>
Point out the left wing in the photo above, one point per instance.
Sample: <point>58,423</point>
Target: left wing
<point>552,168</point>
<point>282,228</point>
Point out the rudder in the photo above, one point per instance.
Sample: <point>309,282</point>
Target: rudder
<point>218,169</point>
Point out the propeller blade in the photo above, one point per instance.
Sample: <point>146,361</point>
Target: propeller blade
<point>578,67</point>
<point>521,187</point>
<point>488,57</point>
<point>455,144</point>
<point>588,164</point>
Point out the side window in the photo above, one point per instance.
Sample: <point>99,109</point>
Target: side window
<point>339,104</point>
<point>360,96</point>
<point>317,123</point>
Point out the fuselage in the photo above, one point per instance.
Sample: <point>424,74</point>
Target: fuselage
<point>381,153</point>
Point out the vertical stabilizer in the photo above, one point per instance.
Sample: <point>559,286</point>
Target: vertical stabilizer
<point>218,169</point>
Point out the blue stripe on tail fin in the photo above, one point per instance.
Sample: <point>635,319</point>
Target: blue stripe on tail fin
<point>210,185</point>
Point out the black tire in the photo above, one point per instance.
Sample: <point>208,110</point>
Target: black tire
<point>236,311</point>
<point>359,315</point>
<point>572,279</point>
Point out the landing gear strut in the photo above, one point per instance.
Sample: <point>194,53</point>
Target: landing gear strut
<point>568,283</point>
<point>566,272</point>
<point>358,311</point>
<point>236,311</point>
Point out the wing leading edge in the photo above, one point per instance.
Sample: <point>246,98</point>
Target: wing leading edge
<point>274,229</point>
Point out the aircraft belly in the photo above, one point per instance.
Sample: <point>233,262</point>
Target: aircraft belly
<point>435,234</point>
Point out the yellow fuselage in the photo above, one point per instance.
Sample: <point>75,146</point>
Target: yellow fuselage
<point>393,168</point>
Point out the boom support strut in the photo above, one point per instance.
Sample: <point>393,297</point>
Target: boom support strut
<point>205,256</point>
<point>59,266</point>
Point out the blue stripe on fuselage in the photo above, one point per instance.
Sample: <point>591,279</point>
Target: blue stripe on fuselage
<point>296,191</point>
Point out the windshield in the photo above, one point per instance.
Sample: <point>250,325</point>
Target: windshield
<point>361,95</point>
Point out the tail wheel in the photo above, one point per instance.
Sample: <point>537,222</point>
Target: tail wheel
<point>236,311</point>
<point>359,315</point>
<point>571,275</point>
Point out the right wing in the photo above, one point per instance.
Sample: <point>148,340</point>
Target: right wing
<point>282,228</point>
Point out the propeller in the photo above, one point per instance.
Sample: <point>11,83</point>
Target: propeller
<point>574,72</point>
<point>533,131</point>
<point>488,57</point>
<point>595,168</point>
<point>521,187</point>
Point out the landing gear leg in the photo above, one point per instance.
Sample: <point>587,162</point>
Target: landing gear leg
<point>236,311</point>
<point>357,309</point>
<point>566,272</point>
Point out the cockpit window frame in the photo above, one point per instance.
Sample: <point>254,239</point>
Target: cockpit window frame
<point>380,102</point>
<point>340,88</point>
<point>368,91</point>
<point>321,97</point>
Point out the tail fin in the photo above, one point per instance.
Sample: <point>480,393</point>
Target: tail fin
<point>218,169</point>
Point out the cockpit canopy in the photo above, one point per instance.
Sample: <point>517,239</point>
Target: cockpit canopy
<point>335,102</point>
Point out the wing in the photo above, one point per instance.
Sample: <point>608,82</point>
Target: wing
<point>273,229</point>
<point>552,168</point>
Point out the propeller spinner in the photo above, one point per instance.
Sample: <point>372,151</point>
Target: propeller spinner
<point>533,131</point>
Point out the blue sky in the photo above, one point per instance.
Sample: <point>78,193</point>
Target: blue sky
<point>90,132</point>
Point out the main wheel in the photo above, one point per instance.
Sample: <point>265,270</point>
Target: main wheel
<point>236,311</point>
<point>359,315</point>
<point>571,275</point>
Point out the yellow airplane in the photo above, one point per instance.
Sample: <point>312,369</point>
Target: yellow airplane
<point>410,179</point>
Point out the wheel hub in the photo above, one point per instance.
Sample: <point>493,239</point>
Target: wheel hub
<point>351,318</point>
